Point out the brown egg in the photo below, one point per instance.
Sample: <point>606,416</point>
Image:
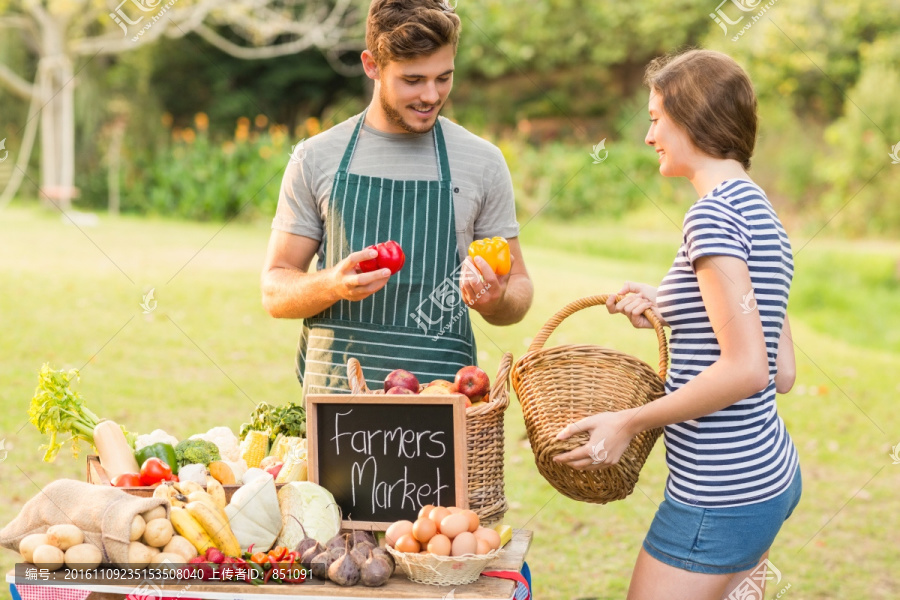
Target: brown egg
<point>424,529</point>
<point>439,545</point>
<point>453,525</point>
<point>482,547</point>
<point>474,521</point>
<point>464,543</point>
<point>426,510</point>
<point>453,510</point>
<point>396,531</point>
<point>488,535</point>
<point>407,543</point>
<point>437,515</point>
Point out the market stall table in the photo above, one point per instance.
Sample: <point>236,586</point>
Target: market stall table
<point>511,558</point>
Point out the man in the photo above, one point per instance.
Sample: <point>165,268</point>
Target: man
<point>395,172</point>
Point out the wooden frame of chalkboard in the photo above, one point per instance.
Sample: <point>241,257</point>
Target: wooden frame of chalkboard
<point>422,434</point>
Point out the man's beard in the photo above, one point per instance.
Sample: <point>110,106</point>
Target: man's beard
<point>397,119</point>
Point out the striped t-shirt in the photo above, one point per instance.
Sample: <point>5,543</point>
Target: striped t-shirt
<point>741,454</point>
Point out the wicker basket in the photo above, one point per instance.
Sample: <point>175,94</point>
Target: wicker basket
<point>484,442</point>
<point>560,385</point>
<point>431,569</point>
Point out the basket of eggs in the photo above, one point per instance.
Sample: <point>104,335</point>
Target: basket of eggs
<point>445,546</point>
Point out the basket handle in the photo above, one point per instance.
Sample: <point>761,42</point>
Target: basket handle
<point>355,377</point>
<point>577,305</point>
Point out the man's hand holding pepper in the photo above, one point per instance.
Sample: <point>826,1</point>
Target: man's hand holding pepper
<point>350,285</point>
<point>482,289</point>
<point>500,299</point>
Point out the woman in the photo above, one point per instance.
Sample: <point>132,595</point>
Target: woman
<point>734,476</point>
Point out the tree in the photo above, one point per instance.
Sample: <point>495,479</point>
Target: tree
<point>61,34</point>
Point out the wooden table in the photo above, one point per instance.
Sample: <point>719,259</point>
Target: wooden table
<point>399,587</point>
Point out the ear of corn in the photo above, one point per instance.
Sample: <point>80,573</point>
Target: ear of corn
<point>254,448</point>
<point>293,469</point>
<point>284,445</point>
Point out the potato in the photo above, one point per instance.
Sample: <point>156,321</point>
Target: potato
<point>64,536</point>
<point>83,556</point>
<point>167,560</point>
<point>181,546</point>
<point>158,533</point>
<point>158,512</point>
<point>137,527</point>
<point>48,557</point>
<point>139,555</point>
<point>30,542</point>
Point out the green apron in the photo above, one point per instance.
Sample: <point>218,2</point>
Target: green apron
<point>418,321</point>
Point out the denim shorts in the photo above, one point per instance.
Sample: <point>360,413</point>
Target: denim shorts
<point>719,540</point>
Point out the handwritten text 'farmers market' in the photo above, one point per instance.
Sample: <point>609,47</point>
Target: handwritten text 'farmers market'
<point>399,442</point>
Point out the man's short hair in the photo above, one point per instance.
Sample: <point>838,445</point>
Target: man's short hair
<point>398,30</point>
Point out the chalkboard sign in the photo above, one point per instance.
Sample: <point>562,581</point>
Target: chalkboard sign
<point>383,457</point>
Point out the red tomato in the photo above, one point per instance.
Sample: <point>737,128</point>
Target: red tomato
<point>154,470</point>
<point>127,480</point>
<point>390,256</point>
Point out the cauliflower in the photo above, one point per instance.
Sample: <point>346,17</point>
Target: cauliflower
<point>225,441</point>
<point>156,436</point>
<point>238,467</point>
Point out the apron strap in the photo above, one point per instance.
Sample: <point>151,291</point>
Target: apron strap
<point>443,163</point>
<point>351,147</point>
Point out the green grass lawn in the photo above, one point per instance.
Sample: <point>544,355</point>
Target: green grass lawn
<point>209,352</point>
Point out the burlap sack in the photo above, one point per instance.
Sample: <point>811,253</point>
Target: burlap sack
<point>102,512</point>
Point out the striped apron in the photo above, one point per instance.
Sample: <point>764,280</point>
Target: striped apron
<point>418,321</point>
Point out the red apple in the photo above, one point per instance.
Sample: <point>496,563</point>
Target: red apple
<point>401,378</point>
<point>399,390</point>
<point>438,390</point>
<point>473,382</point>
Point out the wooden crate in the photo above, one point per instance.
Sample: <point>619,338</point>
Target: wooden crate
<point>97,474</point>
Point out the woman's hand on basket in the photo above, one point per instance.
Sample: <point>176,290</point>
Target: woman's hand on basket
<point>609,438</point>
<point>638,298</point>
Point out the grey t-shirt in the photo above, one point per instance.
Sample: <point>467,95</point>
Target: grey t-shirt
<point>484,205</point>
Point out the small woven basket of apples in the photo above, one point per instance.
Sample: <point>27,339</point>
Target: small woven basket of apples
<point>484,425</point>
<point>445,546</point>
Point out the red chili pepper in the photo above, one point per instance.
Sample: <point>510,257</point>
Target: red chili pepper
<point>278,553</point>
<point>390,256</point>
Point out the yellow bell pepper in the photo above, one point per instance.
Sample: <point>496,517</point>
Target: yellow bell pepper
<point>495,251</point>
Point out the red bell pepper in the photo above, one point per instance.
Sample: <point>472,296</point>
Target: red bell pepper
<point>390,256</point>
